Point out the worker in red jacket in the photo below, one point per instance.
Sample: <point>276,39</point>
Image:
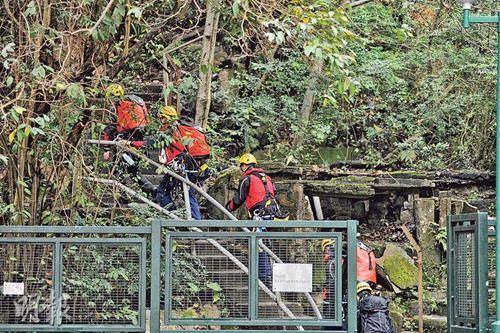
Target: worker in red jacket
<point>257,191</point>
<point>186,153</point>
<point>130,117</point>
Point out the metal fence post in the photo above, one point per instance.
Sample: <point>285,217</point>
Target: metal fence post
<point>253,291</point>
<point>450,255</point>
<point>57,282</point>
<point>352,302</point>
<point>467,273</point>
<point>155,276</point>
<point>143,282</point>
<point>482,271</point>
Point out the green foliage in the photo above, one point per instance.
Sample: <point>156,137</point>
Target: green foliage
<point>264,118</point>
<point>77,94</point>
<point>440,236</point>
<point>107,287</point>
<point>403,103</point>
<point>191,281</point>
<point>414,106</point>
<point>434,275</point>
<point>322,25</point>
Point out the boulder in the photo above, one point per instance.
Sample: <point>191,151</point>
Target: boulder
<point>399,267</point>
<point>221,189</point>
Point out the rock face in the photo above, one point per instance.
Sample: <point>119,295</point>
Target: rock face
<point>399,267</point>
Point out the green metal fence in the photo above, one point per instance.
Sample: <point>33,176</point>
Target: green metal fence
<point>229,294</point>
<point>491,271</point>
<point>468,273</point>
<point>203,275</point>
<point>73,279</point>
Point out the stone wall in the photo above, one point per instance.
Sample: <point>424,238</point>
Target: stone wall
<point>382,202</point>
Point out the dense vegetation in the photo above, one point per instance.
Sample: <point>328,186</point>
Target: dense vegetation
<point>395,84</point>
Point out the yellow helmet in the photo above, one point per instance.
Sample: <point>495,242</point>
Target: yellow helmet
<point>115,89</point>
<point>168,113</point>
<point>325,243</point>
<point>362,286</point>
<point>248,159</point>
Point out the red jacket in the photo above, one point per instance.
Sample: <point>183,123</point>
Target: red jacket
<point>131,114</point>
<point>251,190</point>
<point>186,139</point>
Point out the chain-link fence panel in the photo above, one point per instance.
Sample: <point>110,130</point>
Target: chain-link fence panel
<point>469,263</point>
<point>27,283</point>
<point>205,282</point>
<point>93,283</point>
<point>465,304</point>
<point>100,284</point>
<point>305,267</point>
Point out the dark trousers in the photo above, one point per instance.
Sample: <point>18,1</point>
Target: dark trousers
<point>265,270</point>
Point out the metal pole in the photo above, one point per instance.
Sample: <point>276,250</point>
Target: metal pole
<point>352,310</point>
<point>496,324</point>
<point>154,325</point>
<point>185,187</point>
<point>466,22</point>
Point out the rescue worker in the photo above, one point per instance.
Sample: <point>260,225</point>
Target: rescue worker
<point>130,116</point>
<point>366,264</point>
<point>329,309</point>
<point>365,273</point>
<point>257,191</point>
<point>373,311</point>
<point>186,159</point>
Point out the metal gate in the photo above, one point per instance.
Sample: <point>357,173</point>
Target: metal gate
<point>234,293</point>
<point>468,266</point>
<point>208,275</point>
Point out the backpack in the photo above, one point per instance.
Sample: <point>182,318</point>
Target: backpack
<point>194,141</point>
<point>132,113</point>
<point>187,139</point>
<point>374,315</point>
<point>269,209</point>
<point>366,265</point>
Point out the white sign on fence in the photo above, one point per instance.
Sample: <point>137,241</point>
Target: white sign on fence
<point>292,278</point>
<point>13,288</point>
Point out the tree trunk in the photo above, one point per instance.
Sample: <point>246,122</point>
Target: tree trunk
<point>207,56</point>
<point>308,102</point>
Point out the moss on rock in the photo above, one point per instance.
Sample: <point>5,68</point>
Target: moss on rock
<point>401,272</point>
